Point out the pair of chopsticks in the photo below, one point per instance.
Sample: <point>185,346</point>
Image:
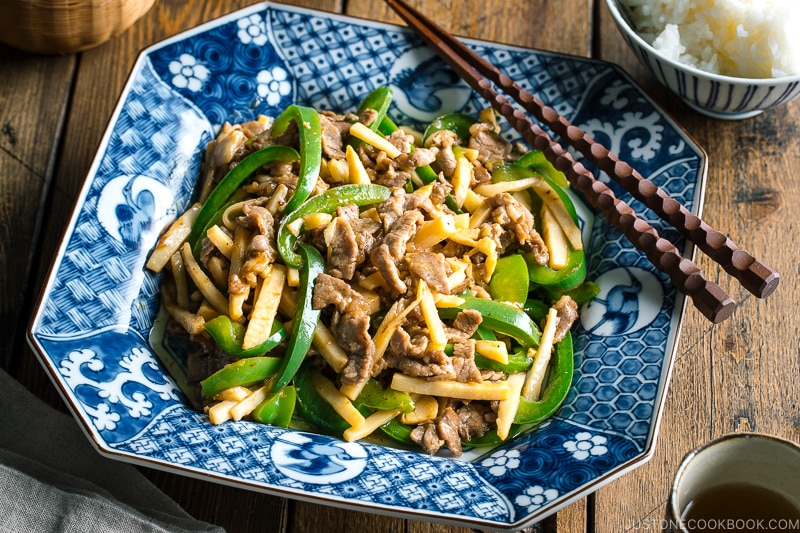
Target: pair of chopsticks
<point>758,278</point>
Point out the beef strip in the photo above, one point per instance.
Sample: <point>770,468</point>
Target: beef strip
<point>256,217</point>
<point>387,171</point>
<point>367,232</point>
<point>401,140</point>
<point>447,425</point>
<point>401,202</point>
<point>393,248</point>
<point>454,249</point>
<point>350,325</point>
<point>492,375</point>
<point>343,252</point>
<point>401,232</point>
<point>431,268</point>
<point>368,116</point>
<point>265,184</point>
<point>403,344</point>
<point>427,437</point>
<point>383,260</point>
<point>439,193</point>
<point>236,285</point>
<point>410,354</point>
<point>433,365</point>
<point>490,146</point>
<point>481,174</point>
<point>261,250</point>
<point>418,158</point>
<point>512,215</point>
<point>333,128</point>
<point>475,419</point>
<point>443,431</point>
<point>352,240</point>
<point>463,361</point>
<point>503,238</point>
<point>567,313</point>
<point>467,321</point>
<point>257,127</point>
<point>442,142</point>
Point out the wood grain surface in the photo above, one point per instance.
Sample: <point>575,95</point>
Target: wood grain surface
<point>740,375</point>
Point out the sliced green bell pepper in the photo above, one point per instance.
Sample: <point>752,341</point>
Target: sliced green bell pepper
<point>378,100</point>
<point>572,275</point>
<point>327,202</point>
<point>305,318</point>
<point>216,218</point>
<point>484,334</point>
<point>582,294</point>
<point>313,408</point>
<point>565,199</point>
<point>536,309</point>
<point>398,432</point>
<point>229,335</point>
<point>427,175</point>
<point>277,409</point>
<point>310,133</point>
<point>500,317</point>
<point>450,202</point>
<point>374,396</point>
<point>509,282</point>
<point>387,126</point>
<point>536,160</point>
<point>517,362</point>
<point>231,182</point>
<point>511,172</point>
<point>555,391</point>
<point>565,279</point>
<point>243,373</point>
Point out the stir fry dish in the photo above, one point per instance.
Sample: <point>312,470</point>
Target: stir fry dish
<point>344,275</point>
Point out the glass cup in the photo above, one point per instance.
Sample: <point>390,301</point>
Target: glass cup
<point>739,482</point>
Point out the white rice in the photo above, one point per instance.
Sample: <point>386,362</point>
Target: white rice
<point>742,38</point>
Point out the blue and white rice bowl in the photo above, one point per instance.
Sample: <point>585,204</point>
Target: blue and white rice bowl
<point>714,95</point>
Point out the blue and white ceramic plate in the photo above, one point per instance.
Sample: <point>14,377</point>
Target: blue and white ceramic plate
<point>92,326</point>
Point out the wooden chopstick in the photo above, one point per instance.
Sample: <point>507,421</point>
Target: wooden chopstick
<point>757,277</point>
<point>706,295</point>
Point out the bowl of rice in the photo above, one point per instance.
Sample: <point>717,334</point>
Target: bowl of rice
<point>728,59</point>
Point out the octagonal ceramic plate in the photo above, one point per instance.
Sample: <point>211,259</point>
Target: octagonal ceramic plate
<point>92,326</point>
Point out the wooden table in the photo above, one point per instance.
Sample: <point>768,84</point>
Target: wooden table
<point>740,375</point>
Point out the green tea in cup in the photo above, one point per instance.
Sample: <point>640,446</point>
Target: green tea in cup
<point>740,482</point>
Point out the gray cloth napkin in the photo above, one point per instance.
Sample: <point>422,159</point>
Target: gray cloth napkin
<point>52,479</point>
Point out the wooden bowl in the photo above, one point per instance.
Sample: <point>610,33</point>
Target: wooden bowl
<point>66,26</point>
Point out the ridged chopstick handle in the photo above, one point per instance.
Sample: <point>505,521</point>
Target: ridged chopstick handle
<point>707,296</point>
<point>755,276</point>
<point>758,278</point>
